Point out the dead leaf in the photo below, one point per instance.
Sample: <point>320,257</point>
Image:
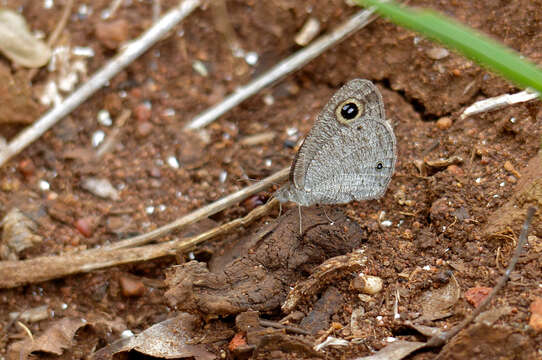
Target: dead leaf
<point>436,304</point>
<point>326,273</point>
<point>54,340</point>
<point>170,339</point>
<point>17,42</point>
<point>397,350</point>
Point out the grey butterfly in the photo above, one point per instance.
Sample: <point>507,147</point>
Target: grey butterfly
<point>349,154</point>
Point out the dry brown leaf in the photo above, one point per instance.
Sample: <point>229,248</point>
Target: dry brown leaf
<point>170,339</point>
<point>17,42</point>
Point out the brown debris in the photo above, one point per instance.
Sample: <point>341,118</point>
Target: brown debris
<point>258,279</point>
<point>18,234</point>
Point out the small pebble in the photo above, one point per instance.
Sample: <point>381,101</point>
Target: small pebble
<point>144,129</point>
<point>27,168</point>
<point>444,123</point>
<point>44,185</point>
<point>437,53</point>
<point>252,202</point>
<point>367,284</point>
<point>173,162</point>
<point>142,113</point>
<point>104,118</point>
<point>155,172</point>
<point>455,170</point>
<point>100,187</point>
<point>251,58</point>
<point>97,138</point>
<point>131,287</point>
<point>536,314</point>
<point>476,295</point>
<point>113,34</point>
<point>200,68</point>
<point>85,226</point>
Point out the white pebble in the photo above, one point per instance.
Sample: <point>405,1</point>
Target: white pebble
<point>48,4</point>
<point>173,162</point>
<point>200,68</point>
<point>97,138</point>
<point>223,176</point>
<point>44,185</point>
<point>251,58</point>
<point>149,209</point>
<point>104,118</point>
<point>84,51</point>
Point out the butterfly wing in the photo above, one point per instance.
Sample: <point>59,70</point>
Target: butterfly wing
<point>341,161</point>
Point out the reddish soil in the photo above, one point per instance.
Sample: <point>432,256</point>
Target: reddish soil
<point>448,222</point>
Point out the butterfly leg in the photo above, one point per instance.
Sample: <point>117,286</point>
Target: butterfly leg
<point>300,224</point>
<point>331,222</point>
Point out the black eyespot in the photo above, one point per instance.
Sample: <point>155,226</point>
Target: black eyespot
<point>379,166</point>
<point>349,111</point>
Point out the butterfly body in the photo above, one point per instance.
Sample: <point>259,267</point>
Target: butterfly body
<point>349,154</point>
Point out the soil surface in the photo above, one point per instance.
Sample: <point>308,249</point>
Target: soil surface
<point>437,241</point>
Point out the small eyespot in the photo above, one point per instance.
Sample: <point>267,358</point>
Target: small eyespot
<point>379,166</point>
<point>349,111</point>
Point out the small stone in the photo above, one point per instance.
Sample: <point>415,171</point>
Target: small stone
<point>437,53</point>
<point>444,123</point>
<point>27,168</point>
<point>237,341</point>
<point>155,172</point>
<point>142,113</point>
<point>253,202</point>
<point>144,129</point>
<point>113,34</point>
<point>455,170</point>
<point>131,287</point>
<point>536,314</point>
<point>476,295</point>
<point>10,184</point>
<point>85,226</point>
<point>367,284</point>
<point>100,187</point>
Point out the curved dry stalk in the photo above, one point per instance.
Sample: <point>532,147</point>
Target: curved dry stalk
<point>17,273</point>
<point>202,212</point>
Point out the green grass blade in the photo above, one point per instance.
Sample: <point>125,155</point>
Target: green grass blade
<point>472,44</point>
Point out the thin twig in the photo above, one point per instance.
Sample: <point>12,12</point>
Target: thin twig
<point>112,138</point>
<point>283,68</point>
<point>203,212</point>
<point>110,13</point>
<point>438,341</point>
<point>499,102</point>
<point>99,79</point>
<point>17,273</point>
